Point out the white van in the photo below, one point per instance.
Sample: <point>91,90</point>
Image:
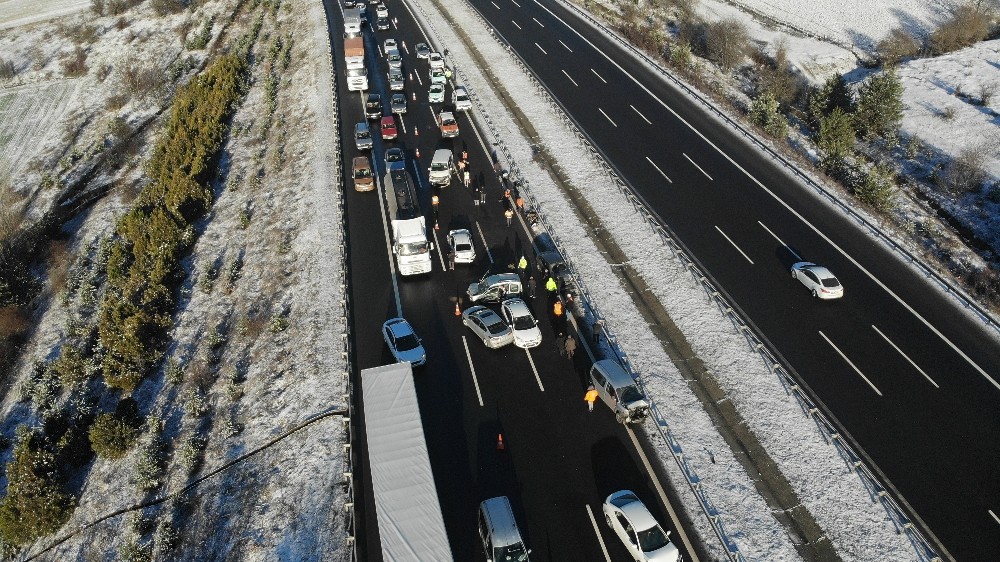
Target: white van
<point>498,530</point>
<point>617,389</point>
<point>441,168</point>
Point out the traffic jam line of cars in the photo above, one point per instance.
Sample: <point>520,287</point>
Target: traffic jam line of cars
<point>512,322</point>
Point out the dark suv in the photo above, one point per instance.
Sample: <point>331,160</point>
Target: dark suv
<point>373,106</point>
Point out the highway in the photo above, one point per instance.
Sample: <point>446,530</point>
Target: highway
<point>910,377</point>
<point>558,462</point>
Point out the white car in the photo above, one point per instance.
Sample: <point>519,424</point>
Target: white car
<point>423,51</point>
<point>460,98</point>
<point>381,11</point>
<point>643,537</point>
<point>487,326</point>
<point>438,77</point>
<point>518,316</point>
<point>394,59</point>
<point>396,80</point>
<point>435,94</point>
<point>818,280</point>
<point>436,61</point>
<point>390,45</point>
<point>403,342</point>
<point>460,241</point>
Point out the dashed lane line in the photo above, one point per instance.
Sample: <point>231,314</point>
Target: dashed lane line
<point>648,122</point>
<point>780,241</point>
<point>606,117</point>
<point>472,368</point>
<point>515,25</point>
<point>534,370</point>
<point>565,45</point>
<point>730,240</point>
<point>905,356</point>
<point>665,176</point>
<point>697,166</point>
<point>571,79</point>
<point>599,76</point>
<point>849,362</point>
<point>541,49</point>
<point>485,245</point>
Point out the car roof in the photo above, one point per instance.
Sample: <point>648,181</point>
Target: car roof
<point>614,372</point>
<point>388,119</point>
<point>460,232</point>
<point>502,277</point>
<point>361,161</point>
<point>399,327</point>
<point>501,520</point>
<point>360,126</point>
<point>638,515</point>
<point>443,153</point>
<point>486,313</point>
<point>517,307</point>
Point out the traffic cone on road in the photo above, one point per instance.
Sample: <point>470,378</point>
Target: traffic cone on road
<point>500,445</point>
<point>414,96</point>
<point>418,152</point>
<point>437,225</point>
<point>458,311</point>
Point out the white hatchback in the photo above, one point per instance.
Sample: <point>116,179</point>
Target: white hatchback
<point>436,61</point>
<point>518,316</point>
<point>643,537</point>
<point>460,241</point>
<point>818,280</point>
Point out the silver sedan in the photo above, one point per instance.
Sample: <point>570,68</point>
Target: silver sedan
<point>487,326</point>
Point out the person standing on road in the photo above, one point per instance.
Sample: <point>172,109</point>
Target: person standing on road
<point>590,397</point>
<point>596,328</point>
<point>509,214</point>
<point>561,344</point>
<point>570,346</point>
<point>451,260</point>
<point>531,287</point>
<point>551,286</point>
<point>522,267</point>
<point>466,178</point>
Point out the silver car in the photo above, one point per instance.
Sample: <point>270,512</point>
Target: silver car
<point>487,326</point>
<point>396,81</point>
<point>518,316</point>
<point>395,59</point>
<point>438,77</point>
<point>435,94</point>
<point>460,241</point>
<point>818,280</point>
<point>403,342</point>
<point>362,136</point>
<point>398,104</point>
<point>423,51</point>
<point>642,536</point>
<point>495,288</point>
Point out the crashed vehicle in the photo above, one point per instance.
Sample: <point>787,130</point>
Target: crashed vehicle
<point>618,390</point>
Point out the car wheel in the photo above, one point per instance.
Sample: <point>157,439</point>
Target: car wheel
<point>608,521</point>
<point>486,342</point>
<point>815,294</point>
<point>794,276</point>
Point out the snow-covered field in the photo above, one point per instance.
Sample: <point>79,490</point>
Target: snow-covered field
<point>14,13</point>
<point>28,115</point>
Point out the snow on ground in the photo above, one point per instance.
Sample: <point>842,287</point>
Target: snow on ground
<point>14,13</point>
<point>28,117</point>
<point>858,528</point>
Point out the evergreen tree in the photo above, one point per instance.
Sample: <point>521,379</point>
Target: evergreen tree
<point>880,106</point>
<point>833,94</point>
<point>877,187</point>
<point>836,134</point>
<point>35,504</point>
<point>764,113</point>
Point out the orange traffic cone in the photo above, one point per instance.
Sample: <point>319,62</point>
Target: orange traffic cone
<point>416,131</point>
<point>414,96</point>
<point>458,311</point>
<point>437,226</point>
<point>500,445</point>
<point>418,152</point>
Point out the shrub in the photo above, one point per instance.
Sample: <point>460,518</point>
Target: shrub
<point>72,367</point>
<point>899,44</point>
<point>190,454</point>
<point>836,134</point>
<point>7,69</point>
<point>777,76</point>
<point>132,549</point>
<point>726,43</point>
<point>35,504</point>
<point>967,171</point>
<point>200,40</point>
<point>764,113</point>
<point>195,403</point>
<point>166,537</point>
<point>876,188</point>
<point>986,93</point>
<point>111,437</point>
<point>880,106</point>
<point>164,7</point>
<point>151,463</point>
<point>969,23</point>
<point>140,79</point>
<point>833,94</point>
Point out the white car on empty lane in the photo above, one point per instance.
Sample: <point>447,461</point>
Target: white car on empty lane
<point>643,537</point>
<point>818,279</point>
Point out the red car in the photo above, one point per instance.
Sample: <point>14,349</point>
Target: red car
<point>389,131</point>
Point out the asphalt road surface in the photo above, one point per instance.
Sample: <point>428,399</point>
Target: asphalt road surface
<point>559,462</point>
<point>909,375</point>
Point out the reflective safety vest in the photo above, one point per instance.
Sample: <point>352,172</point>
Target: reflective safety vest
<point>557,308</point>
<point>523,264</point>
<point>550,285</point>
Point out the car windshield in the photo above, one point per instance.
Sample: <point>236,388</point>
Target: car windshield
<point>497,327</point>
<point>362,173</point>
<point>413,249</point>
<point>362,134</point>
<point>462,97</point>
<point>463,247</point>
<point>438,166</point>
<point>512,553</point>
<point>407,342</point>
<point>448,121</point>
<point>631,394</point>
<point>524,322</point>
<point>830,282</point>
<point>652,539</point>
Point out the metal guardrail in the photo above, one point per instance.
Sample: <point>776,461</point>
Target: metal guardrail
<point>485,121</point>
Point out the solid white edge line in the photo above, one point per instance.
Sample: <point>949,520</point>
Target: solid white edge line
<point>534,370</point>
<point>663,497</point>
<point>571,79</point>
<point>648,122</point>
<point>849,362</point>
<point>606,116</point>
<point>472,367</point>
<point>597,531</point>
<point>538,22</point>
<point>697,166</point>
<point>515,23</point>
<point>734,245</point>
<point>994,515</point>
<point>780,241</point>
<point>598,75</point>
<point>540,48</point>
<point>905,356</point>
<point>781,202</point>
<point>485,245</point>
<point>565,45</point>
<point>659,170</point>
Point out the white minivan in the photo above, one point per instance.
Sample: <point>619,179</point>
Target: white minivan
<point>498,530</point>
<point>617,389</point>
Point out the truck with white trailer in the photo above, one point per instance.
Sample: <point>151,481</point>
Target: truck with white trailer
<point>410,244</point>
<point>354,60</point>
<point>407,508</point>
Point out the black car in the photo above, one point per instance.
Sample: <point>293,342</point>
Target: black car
<point>373,106</point>
<point>398,103</point>
<point>382,24</point>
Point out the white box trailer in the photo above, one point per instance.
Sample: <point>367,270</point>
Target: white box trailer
<point>410,523</point>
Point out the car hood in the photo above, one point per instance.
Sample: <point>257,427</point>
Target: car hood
<point>527,338</point>
<point>668,553</point>
<point>415,355</point>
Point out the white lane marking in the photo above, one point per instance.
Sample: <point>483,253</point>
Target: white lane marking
<point>485,245</point>
<point>780,241</point>
<point>538,22</point>
<point>997,519</point>
<point>571,79</point>
<point>403,44</point>
<point>515,23</point>
<point>534,370</point>
<point>648,122</point>
<point>597,531</point>
<point>473,369</point>
<point>659,170</point>
<point>734,245</point>
<point>565,45</point>
<point>606,116</point>
<point>495,4</point>
<point>896,347</point>
<point>697,166</point>
<point>437,245</point>
<point>402,124</point>
<point>388,245</point>
<point>540,48</point>
<point>788,207</point>
<point>663,496</point>
<point>515,3</point>
<point>599,76</point>
<point>853,366</point>
<point>417,76</point>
